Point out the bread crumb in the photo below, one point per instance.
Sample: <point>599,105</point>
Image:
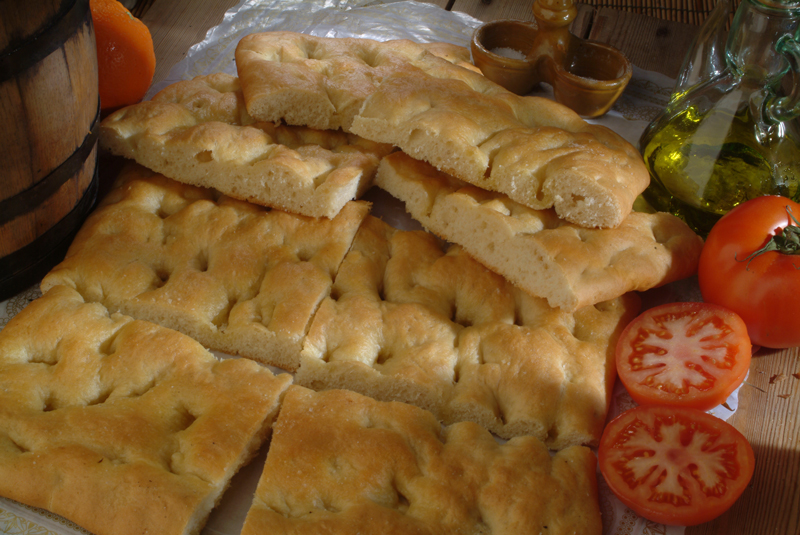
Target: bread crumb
<point>778,377</point>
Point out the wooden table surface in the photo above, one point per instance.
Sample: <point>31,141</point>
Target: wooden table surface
<point>770,400</point>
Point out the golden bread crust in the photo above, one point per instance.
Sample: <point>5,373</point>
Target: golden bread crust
<point>409,322</point>
<point>343,463</point>
<point>455,54</point>
<point>119,425</point>
<point>402,321</point>
<point>323,82</point>
<point>199,132</point>
<point>536,151</point>
<point>234,276</point>
<point>570,266</point>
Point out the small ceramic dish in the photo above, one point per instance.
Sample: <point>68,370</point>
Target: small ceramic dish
<point>499,50</point>
<point>586,76</point>
<point>593,77</point>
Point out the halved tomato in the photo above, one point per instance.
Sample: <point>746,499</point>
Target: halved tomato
<point>675,465</point>
<point>684,354</point>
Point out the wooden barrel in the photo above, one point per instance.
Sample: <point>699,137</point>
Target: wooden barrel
<point>49,111</point>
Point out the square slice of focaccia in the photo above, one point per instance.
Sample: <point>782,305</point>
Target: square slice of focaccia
<point>569,265</point>
<point>536,151</point>
<point>408,322</point>
<point>199,132</point>
<point>122,426</point>
<point>342,463</point>
<point>234,276</point>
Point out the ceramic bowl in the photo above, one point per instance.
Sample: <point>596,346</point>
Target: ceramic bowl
<point>592,78</point>
<point>492,45</point>
<point>586,76</point>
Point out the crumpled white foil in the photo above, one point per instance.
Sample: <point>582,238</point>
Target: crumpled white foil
<point>379,20</point>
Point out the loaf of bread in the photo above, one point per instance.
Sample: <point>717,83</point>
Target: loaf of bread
<point>323,82</point>
<point>536,151</point>
<point>199,132</point>
<point>122,426</point>
<point>232,275</point>
<point>408,322</point>
<point>569,265</point>
<point>340,464</point>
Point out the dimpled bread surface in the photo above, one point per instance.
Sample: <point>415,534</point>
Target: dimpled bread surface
<point>536,151</point>
<point>408,322</point>
<point>199,132</point>
<point>234,276</point>
<point>569,265</point>
<point>343,463</point>
<point>119,425</point>
<point>323,82</point>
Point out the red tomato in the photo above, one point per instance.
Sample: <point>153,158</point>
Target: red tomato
<point>675,465</point>
<point>763,289</point>
<point>683,354</point>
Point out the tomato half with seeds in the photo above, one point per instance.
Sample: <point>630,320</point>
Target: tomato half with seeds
<point>675,465</point>
<point>684,354</point>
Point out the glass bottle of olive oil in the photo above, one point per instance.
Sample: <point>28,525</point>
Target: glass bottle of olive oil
<point>727,136</point>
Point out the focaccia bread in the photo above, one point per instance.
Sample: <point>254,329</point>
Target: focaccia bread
<point>536,151</point>
<point>457,55</point>
<point>340,463</point>
<point>232,275</point>
<point>323,82</point>
<point>122,426</point>
<point>199,132</point>
<point>408,322</point>
<point>569,265</point>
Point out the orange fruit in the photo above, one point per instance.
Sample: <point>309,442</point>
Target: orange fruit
<point>126,61</point>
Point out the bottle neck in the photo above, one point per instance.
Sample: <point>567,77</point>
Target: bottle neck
<point>554,13</point>
<point>756,28</point>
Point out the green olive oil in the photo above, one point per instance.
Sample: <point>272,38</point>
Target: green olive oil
<point>702,165</point>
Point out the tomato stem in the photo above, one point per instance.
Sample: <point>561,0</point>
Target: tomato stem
<point>787,241</point>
